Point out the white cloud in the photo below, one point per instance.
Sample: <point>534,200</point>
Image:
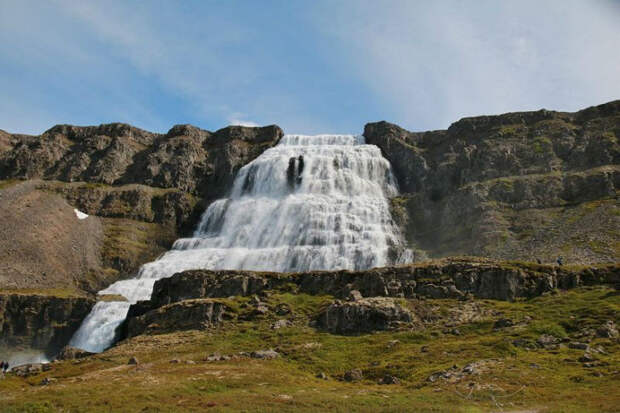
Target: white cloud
<point>434,62</point>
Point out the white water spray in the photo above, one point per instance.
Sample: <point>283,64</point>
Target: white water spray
<point>309,203</point>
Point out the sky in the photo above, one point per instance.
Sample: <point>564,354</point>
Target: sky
<point>320,66</point>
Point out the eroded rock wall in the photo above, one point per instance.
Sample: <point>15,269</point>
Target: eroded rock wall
<point>529,185</point>
<point>40,321</point>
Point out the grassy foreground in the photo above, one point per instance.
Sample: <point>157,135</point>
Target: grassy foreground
<point>506,378</point>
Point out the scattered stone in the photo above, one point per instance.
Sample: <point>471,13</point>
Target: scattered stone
<point>190,362</point>
<point>265,354</point>
<point>282,309</point>
<point>389,379</point>
<point>175,361</point>
<point>353,375</point>
<point>523,343</point>
<point>547,341</point>
<point>393,343</point>
<point>31,369</point>
<point>47,380</point>
<point>72,353</point>
<point>280,324</point>
<point>255,300</point>
<point>469,369</point>
<point>607,330</point>
<point>586,358</point>
<point>578,345</point>
<point>312,345</point>
<point>217,357</point>
<point>354,295</point>
<point>503,323</point>
<point>424,349</point>
<point>321,376</point>
<point>133,361</point>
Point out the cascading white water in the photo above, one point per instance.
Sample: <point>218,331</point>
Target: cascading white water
<point>309,203</point>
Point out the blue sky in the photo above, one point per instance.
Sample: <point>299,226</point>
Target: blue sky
<point>308,66</point>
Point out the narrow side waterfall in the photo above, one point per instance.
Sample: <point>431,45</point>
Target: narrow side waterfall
<point>309,203</point>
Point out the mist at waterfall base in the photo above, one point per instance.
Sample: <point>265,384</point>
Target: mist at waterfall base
<point>20,357</point>
<point>309,203</point>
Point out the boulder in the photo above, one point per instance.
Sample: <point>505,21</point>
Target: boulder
<point>72,353</point>
<point>280,324</point>
<point>353,375</point>
<point>31,369</point>
<point>365,315</point>
<point>185,315</point>
<point>607,330</point>
<point>389,379</point>
<point>265,354</point>
<point>503,323</point>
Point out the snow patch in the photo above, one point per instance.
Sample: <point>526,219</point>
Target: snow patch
<point>80,214</point>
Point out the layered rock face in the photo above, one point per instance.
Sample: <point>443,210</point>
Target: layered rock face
<point>143,190</point>
<point>363,315</point>
<point>187,158</point>
<point>40,321</point>
<point>184,315</point>
<point>515,186</point>
<point>190,299</point>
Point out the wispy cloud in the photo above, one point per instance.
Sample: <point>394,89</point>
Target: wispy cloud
<point>433,62</point>
<point>310,67</point>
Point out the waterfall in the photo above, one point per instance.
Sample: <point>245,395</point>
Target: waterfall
<point>309,203</point>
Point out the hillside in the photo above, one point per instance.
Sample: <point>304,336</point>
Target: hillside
<point>528,185</point>
<point>475,324</point>
<point>142,191</point>
<point>243,341</point>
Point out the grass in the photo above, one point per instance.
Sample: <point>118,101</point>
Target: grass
<point>509,378</point>
<point>47,292</point>
<point>9,183</point>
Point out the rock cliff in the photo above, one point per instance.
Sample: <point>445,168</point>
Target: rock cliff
<point>143,190</point>
<point>189,300</point>
<point>40,321</point>
<point>530,185</point>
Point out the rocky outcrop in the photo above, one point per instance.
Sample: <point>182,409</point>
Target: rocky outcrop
<point>187,158</point>
<point>449,278</point>
<point>142,191</point>
<point>515,186</point>
<point>40,321</point>
<point>72,353</point>
<point>363,315</point>
<point>170,207</point>
<point>184,315</point>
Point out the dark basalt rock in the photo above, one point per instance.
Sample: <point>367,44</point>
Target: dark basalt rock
<point>187,158</point>
<point>184,315</point>
<point>450,278</point>
<point>173,297</point>
<point>41,322</point>
<point>486,185</point>
<point>365,315</point>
